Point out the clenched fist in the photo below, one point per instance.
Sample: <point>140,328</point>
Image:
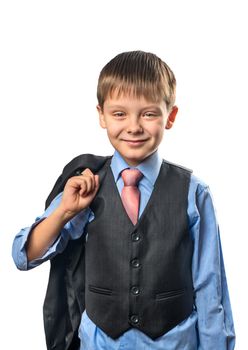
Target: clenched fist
<point>79,192</point>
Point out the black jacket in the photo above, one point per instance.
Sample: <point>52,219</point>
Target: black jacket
<point>64,301</point>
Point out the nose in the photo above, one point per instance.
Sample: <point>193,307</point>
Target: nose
<point>134,125</point>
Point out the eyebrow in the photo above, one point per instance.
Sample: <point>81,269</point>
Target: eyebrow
<point>146,107</point>
<point>115,106</point>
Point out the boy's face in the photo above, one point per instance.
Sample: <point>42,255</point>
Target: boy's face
<point>135,126</point>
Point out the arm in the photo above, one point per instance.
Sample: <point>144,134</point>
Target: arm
<point>215,323</point>
<point>78,194</point>
<point>64,217</point>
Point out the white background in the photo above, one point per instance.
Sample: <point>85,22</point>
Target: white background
<point>51,55</point>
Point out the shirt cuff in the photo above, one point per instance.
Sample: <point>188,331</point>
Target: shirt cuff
<point>72,230</point>
<point>19,246</point>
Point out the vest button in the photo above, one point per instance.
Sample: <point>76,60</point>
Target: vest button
<point>135,263</point>
<point>135,237</point>
<point>135,290</point>
<point>134,319</point>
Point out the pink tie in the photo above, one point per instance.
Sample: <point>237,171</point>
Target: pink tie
<point>130,194</point>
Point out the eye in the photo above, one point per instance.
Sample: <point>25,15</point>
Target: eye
<point>118,114</point>
<point>150,114</point>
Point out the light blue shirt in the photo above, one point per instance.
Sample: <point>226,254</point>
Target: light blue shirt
<point>210,326</point>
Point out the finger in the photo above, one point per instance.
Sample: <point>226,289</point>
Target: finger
<point>97,181</point>
<point>86,186</point>
<point>88,173</point>
<point>94,189</point>
<point>81,182</point>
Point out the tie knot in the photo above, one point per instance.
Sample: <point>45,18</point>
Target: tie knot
<point>131,177</point>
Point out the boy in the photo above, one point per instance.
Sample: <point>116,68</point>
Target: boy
<point>135,254</point>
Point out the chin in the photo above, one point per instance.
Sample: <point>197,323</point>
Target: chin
<point>133,161</point>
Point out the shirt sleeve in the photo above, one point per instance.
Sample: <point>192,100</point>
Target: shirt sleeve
<point>72,230</point>
<point>215,322</point>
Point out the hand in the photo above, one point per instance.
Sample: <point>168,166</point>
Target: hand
<point>79,192</point>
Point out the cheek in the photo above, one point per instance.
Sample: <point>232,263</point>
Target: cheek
<point>114,130</point>
<point>157,130</point>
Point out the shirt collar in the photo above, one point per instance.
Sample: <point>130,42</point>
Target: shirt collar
<point>150,167</point>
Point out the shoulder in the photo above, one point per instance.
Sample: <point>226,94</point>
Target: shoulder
<point>82,161</point>
<point>95,163</point>
<point>200,201</point>
<point>198,186</point>
<point>177,168</point>
<point>198,190</point>
<point>178,174</point>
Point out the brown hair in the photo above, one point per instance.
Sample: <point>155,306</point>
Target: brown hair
<point>137,73</point>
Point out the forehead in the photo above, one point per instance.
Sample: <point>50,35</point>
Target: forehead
<point>131,99</point>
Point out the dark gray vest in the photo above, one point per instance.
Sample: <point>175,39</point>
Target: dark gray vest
<point>135,276</point>
<point>140,276</point>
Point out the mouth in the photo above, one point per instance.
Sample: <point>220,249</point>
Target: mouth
<point>135,142</point>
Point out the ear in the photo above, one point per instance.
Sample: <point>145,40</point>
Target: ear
<point>101,117</point>
<point>171,118</point>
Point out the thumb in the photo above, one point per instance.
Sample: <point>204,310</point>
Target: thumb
<point>97,182</point>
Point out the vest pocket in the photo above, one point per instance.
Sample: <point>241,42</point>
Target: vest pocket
<point>100,290</point>
<point>169,294</point>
